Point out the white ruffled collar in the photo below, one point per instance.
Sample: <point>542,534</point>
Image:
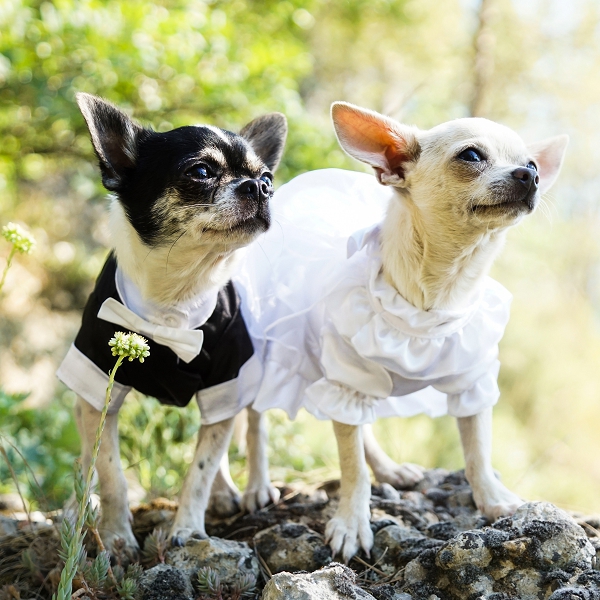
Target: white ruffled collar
<point>409,319</point>
<point>399,312</point>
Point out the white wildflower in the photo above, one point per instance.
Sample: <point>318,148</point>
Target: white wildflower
<point>129,345</point>
<point>21,239</point>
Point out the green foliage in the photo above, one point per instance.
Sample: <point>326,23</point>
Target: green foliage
<point>96,571</point>
<point>41,446</point>
<point>127,580</point>
<point>186,61</point>
<point>155,547</point>
<point>209,581</point>
<point>157,442</point>
<point>210,585</point>
<point>127,589</point>
<point>169,64</point>
<point>245,583</point>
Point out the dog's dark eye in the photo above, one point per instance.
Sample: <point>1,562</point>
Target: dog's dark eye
<point>199,172</point>
<point>267,178</point>
<point>470,155</point>
<point>532,165</point>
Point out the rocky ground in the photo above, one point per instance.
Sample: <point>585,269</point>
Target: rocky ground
<point>430,543</point>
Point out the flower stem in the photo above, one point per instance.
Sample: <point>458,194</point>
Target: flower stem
<point>70,570</point>
<point>8,261</point>
<point>90,474</point>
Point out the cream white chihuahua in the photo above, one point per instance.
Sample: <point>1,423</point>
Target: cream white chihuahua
<point>410,318</point>
<point>459,187</point>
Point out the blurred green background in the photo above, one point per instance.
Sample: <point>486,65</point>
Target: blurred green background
<point>530,64</point>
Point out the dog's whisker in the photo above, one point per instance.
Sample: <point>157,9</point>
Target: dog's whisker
<point>546,210</point>
<point>150,251</point>
<point>171,249</point>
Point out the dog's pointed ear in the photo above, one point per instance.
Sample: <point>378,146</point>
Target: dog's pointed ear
<point>377,140</point>
<point>114,137</point>
<point>267,136</point>
<point>548,156</point>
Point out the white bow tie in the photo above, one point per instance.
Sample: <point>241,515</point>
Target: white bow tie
<point>185,343</point>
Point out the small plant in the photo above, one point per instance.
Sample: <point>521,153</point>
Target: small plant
<point>22,241</point>
<point>244,585</point>
<point>95,573</point>
<point>155,548</point>
<point>210,585</point>
<point>127,582</point>
<point>124,346</point>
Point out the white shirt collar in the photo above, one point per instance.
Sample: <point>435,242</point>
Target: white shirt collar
<point>188,315</point>
<point>398,311</point>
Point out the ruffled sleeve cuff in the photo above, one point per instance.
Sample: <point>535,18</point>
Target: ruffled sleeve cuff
<point>483,394</point>
<point>329,400</point>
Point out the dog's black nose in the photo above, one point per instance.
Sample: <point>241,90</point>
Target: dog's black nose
<point>528,177</point>
<point>254,189</point>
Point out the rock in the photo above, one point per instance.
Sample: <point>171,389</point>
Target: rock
<point>415,572</point>
<point>416,498</point>
<point>292,547</point>
<point>388,592</point>
<point>524,583</point>
<point>7,526</point>
<point>230,559</point>
<point>334,582</point>
<point>464,550</point>
<point>157,514</point>
<point>430,539</point>
<point>164,581</point>
<point>395,545</point>
<point>433,478</point>
<point>526,556</point>
<point>559,541</point>
<point>461,499</point>
<point>388,492</point>
<point>574,593</point>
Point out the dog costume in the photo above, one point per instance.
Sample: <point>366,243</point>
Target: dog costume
<point>336,338</point>
<point>197,348</point>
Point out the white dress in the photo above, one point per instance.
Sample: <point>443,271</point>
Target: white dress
<point>335,338</point>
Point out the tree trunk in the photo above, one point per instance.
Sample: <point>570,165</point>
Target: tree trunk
<point>484,42</point>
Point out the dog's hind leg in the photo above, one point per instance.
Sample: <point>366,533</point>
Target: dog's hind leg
<point>384,468</point>
<point>213,441</point>
<point>491,496</point>
<point>259,491</point>
<point>350,526</point>
<point>225,498</point>
<point>115,523</point>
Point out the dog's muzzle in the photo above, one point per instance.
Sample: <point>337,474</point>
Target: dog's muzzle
<point>530,181</point>
<point>254,189</point>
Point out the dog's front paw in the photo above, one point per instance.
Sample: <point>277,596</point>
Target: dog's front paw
<point>257,497</point>
<point>346,534</point>
<point>180,535</point>
<point>495,500</point>
<point>401,476</point>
